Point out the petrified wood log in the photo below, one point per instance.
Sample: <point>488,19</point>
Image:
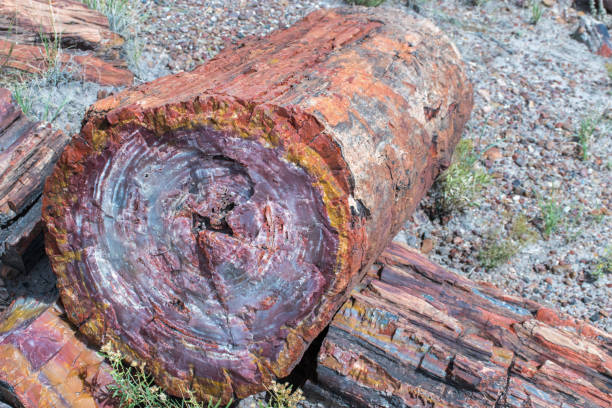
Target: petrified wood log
<point>28,151</point>
<point>87,43</point>
<point>43,364</point>
<point>209,224</point>
<point>416,335</point>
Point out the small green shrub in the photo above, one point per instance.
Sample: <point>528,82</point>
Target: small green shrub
<point>498,249</point>
<point>124,18</point>
<point>584,136</point>
<point>368,3</point>
<point>536,11</point>
<point>52,47</point>
<point>121,14</point>
<point>23,97</point>
<point>522,230</point>
<point>604,264</point>
<point>27,95</point>
<point>134,388</point>
<point>462,181</point>
<point>282,396</point>
<point>552,216</point>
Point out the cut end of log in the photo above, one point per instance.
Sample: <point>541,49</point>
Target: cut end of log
<point>225,241</point>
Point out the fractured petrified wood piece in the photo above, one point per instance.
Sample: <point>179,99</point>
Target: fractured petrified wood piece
<point>210,223</point>
<point>79,26</point>
<point>28,151</point>
<point>43,364</point>
<point>416,335</point>
<point>89,49</point>
<point>33,58</point>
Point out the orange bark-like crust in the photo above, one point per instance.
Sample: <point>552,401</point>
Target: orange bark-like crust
<point>366,104</point>
<point>450,342</point>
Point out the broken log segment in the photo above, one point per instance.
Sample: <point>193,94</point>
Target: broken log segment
<point>87,48</point>
<point>416,335</point>
<point>210,223</point>
<point>43,362</point>
<point>71,21</point>
<point>28,151</point>
<point>33,59</point>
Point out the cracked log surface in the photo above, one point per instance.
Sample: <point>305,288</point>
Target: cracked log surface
<point>89,49</point>
<point>416,335</point>
<point>28,151</point>
<point>210,223</point>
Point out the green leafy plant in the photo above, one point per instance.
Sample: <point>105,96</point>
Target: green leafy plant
<point>497,250</point>
<point>552,216</point>
<point>27,95</point>
<point>462,181</point>
<point>368,3</point>
<point>5,60</point>
<point>604,264</point>
<point>282,396</point>
<point>125,18</point>
<point>499,247</point>
<point>52,47</point>
<point>121,14</point>
<point>584,136</point>
<point>134,388</point>
<point>23,97</point>
<point>536,11</point>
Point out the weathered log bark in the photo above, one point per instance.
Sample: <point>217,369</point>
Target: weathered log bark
<point>89,49</point>
<point>416,335</point>
<point>43,364</point>
<point>28,151</point>
<point>210,223</point>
